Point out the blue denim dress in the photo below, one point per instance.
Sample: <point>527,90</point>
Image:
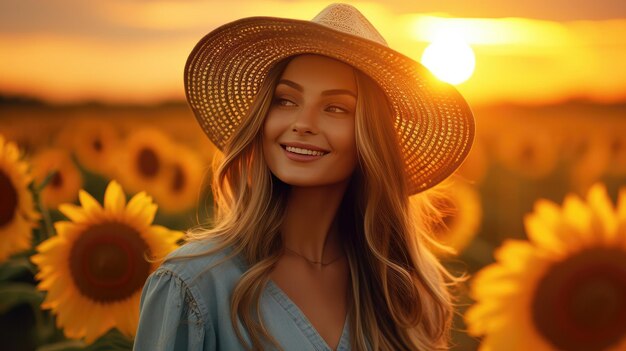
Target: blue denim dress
<point>185,306</point>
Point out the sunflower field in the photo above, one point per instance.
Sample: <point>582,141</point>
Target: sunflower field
<point>92,197</point>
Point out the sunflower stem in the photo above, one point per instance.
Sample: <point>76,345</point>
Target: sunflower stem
<point>45,181</point>
<point>48,229</point>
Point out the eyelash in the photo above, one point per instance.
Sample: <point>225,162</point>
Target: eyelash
<point>278,101</point>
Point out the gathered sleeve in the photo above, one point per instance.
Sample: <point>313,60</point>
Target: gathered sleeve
<point>169,317</point>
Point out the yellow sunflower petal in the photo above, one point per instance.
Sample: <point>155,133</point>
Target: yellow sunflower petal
<point>482,320</point>
<point>138,202</point>
<point>548,211</point>
<point>48,245</point>
<point>541,234</point>
<point>114,198</point>
<point>57,296</point>
<point>515,254</point>
<point>142,209</point>
<point>89,204</point>
<point>577,217</point>
<point>604,214</point>
<point>124,315</point>
<point>552,220</point>
<point>511,338</point>
<point>162,240</point>
<point>67,230</point>
<point>71,320</point>
<point>98,324</point>
<point>75,213</point>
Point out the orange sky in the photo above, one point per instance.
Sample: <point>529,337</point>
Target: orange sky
<point>134,51</point>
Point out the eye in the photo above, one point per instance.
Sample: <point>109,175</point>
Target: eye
<point>283,102</point>
<point>337,109</point>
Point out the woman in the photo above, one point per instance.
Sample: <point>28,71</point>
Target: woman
<point>325,133</point>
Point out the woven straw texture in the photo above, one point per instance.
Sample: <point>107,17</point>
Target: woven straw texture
<point>226,68</point>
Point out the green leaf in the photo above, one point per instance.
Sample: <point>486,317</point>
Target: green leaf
<point>65,345</point>
<point>113,340</point>
<point>14,294</point>
<point>16,267</point>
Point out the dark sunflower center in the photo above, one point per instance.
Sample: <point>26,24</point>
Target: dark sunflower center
<point>178,182</point>
<point>148,163</point>
<point>57,180</point>
<point>616,146</point>
<point>580,304</point>
<point>97,145</point>
<point>581,149</point>
<point>527,154</point>
<point>8,200</point>
<point>107,262</point>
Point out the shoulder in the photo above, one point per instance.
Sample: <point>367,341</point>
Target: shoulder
<point>200,258</point>
<point>199,273</point>
<point>180,300</point>
<point>206,273</point>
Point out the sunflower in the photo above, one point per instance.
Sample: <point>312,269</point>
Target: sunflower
<point>617,152</point>
<point>17,208</point>
<point>183,181</point>
<point>461,214</point>
<point>530,153</point>
<point>66,182</point>
<point>592,162</point>
<point>94,142</point>
<point>565,288</point>
<point>95,265</point>
<point>142,160</point>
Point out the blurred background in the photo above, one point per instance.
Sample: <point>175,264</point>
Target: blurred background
<point>94,90</point>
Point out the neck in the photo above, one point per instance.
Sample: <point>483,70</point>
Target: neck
<point>309,226</point>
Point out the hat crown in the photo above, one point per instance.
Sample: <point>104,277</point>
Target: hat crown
<point>347,19</point>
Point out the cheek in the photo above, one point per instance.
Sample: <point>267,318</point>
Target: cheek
<point>269,132</point>
<point>344,143</point>
<point>272,130</point>
<point>273,127</point>
<point>344,138</point>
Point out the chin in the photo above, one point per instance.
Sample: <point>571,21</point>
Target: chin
<point>301,182</point>
<point>309,182</point>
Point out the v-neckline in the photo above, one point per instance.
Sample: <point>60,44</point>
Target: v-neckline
<point>303,322</point>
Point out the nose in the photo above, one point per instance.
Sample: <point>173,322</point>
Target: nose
<point>305,122</point>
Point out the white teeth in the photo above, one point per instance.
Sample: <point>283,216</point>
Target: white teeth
<point>304,151</point>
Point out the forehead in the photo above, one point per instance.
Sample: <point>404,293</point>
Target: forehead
<point>320,72</point>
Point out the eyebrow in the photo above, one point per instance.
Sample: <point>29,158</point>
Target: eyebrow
<point>299,88</point>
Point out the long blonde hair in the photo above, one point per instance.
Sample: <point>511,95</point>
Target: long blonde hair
<point>400,298</point>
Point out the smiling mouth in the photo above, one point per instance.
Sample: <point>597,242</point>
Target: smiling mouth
<point>301,151</point>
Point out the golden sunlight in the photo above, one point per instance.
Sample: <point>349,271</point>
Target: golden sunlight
<point>452,61</point>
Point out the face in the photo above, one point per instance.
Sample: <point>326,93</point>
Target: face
<point>308,134</point>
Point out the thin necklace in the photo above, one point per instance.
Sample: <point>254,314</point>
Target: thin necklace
<point>314,262</point>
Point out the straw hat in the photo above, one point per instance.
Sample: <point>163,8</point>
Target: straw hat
<point>225,69</point>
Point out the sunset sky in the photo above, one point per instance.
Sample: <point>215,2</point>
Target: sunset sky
<point>531,51</point>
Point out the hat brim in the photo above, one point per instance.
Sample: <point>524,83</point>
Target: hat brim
<point>227,66</point>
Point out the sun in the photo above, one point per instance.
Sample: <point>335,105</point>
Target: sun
<point>450,60</point>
